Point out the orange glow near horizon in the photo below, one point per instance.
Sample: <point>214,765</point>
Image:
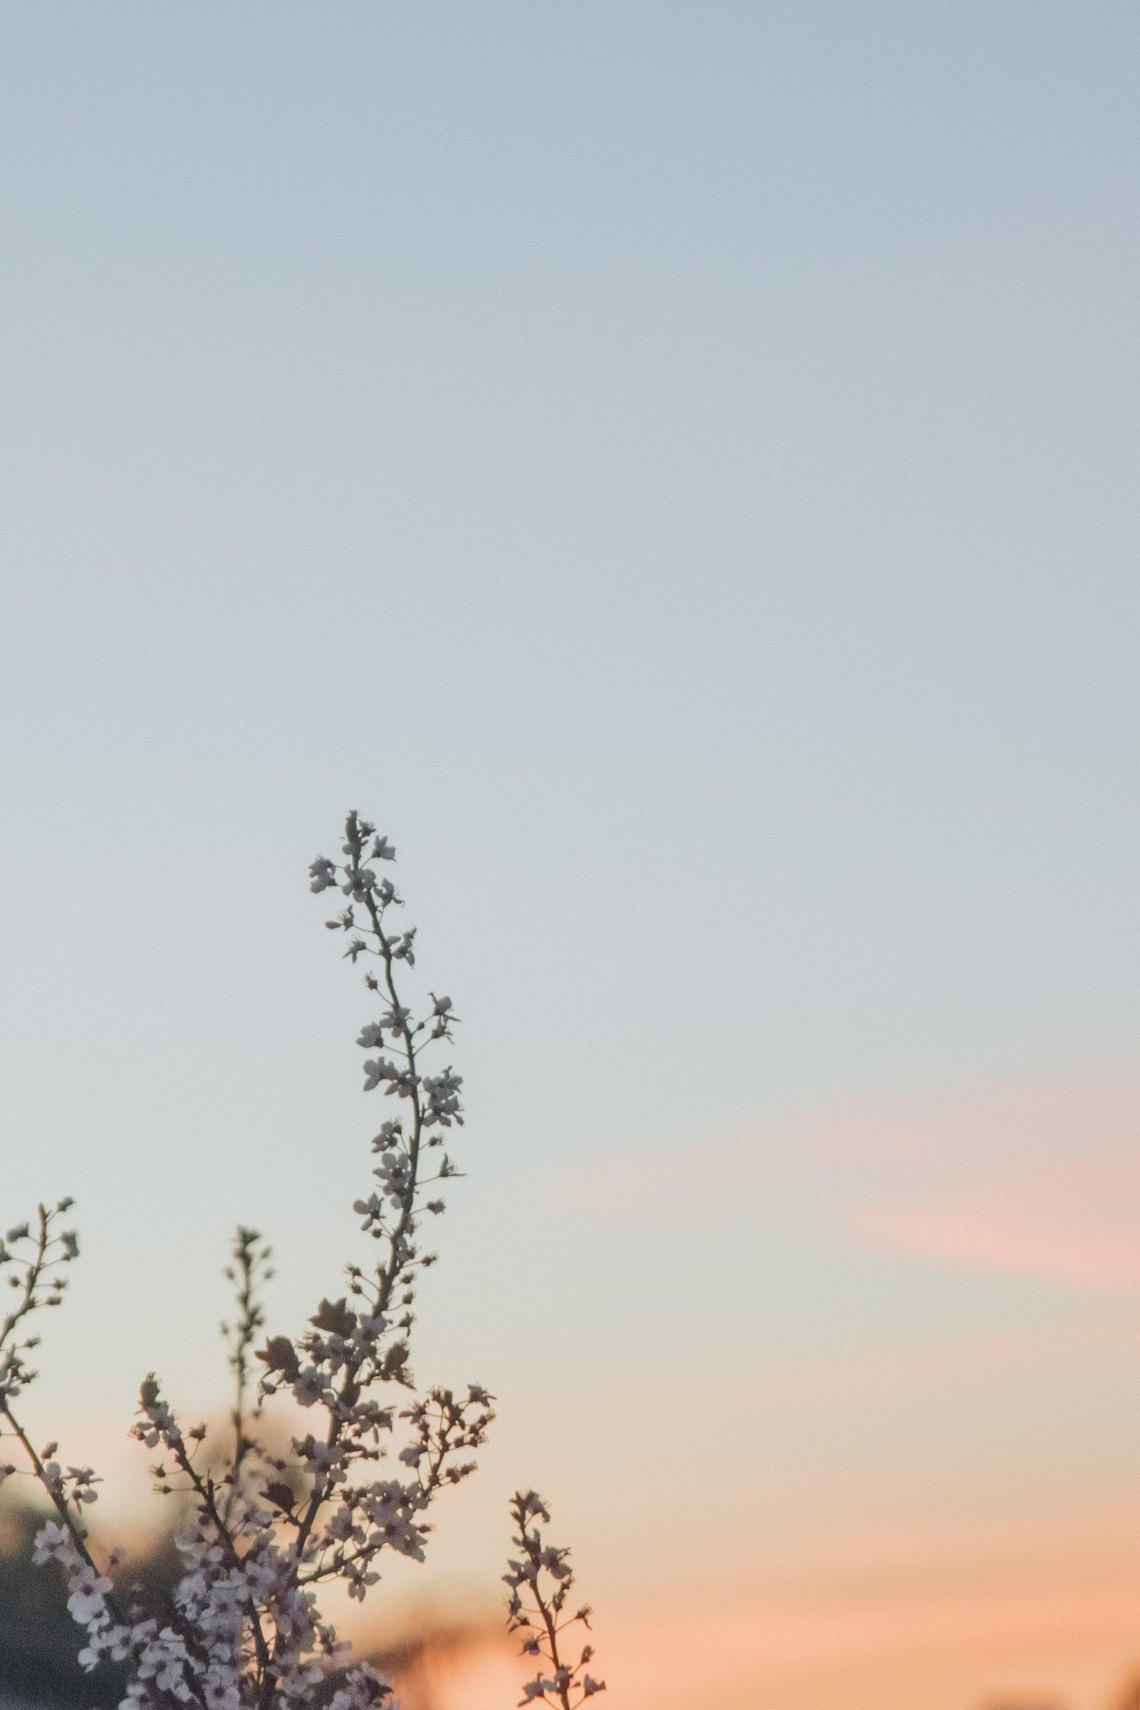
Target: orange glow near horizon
<point>823,1569</point>
<point>950,1653</point>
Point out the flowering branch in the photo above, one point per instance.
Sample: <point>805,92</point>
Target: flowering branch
<point>241,1629</point>
<point>39,1279</point>
<point>543,1574</point>
<point>249,1271</point>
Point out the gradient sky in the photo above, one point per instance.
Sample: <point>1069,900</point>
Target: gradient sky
<point>675,466</point>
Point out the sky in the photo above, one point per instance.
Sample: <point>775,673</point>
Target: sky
<point>674,467</point>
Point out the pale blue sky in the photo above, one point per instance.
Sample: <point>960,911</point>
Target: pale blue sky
<point>676,466</point>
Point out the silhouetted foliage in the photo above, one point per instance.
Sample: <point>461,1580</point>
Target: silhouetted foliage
<point>39,1642</point>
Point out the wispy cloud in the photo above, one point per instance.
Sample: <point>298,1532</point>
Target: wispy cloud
<point>1039,1179</point>
<point>1001,1239</point>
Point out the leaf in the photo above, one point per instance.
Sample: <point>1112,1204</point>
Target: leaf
<point>280,1355</point>
<point>336,1317</point>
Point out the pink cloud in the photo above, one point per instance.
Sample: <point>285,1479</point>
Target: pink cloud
<point>1087,1127</point>
<point>1072,1219</point>
<point>1090,1253</point>
<point>1030,1178</point>
<point>672,1176</point>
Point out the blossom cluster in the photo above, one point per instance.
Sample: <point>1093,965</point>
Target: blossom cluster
<point>277,1518</point>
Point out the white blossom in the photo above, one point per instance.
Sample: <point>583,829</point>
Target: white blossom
<point>378,1069</point>
<point>322,873</point>
<point>88,1596</point>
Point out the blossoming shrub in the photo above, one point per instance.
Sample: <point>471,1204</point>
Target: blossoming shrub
<point>266,1531</point>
